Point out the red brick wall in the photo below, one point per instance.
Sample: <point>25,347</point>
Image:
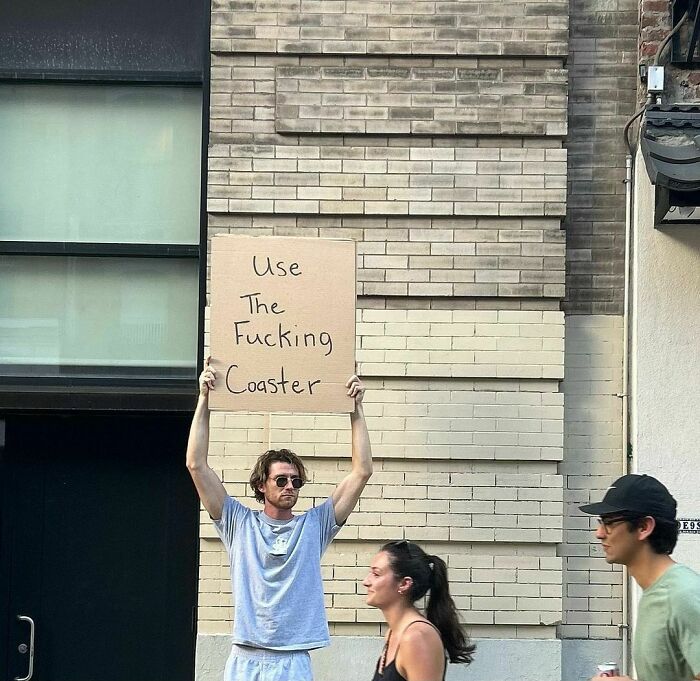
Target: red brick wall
<point>682,84</point>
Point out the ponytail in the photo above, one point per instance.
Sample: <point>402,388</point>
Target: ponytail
<point>429,574</point>
<point>442,612</point>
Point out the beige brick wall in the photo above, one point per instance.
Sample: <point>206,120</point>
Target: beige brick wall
<point>466,467</point>
<point>459,468</point>
<point>312,178</point>
<point>419,27</point>
<point>413,422</point>
<point>593,459</point>
<point>253,169</point>
<point>461,343</point>
<point>456,206</point>
<point>444,96</point>
<point>427,257</point>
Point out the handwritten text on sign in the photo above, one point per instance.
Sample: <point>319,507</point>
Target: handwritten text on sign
<point>282,323</point>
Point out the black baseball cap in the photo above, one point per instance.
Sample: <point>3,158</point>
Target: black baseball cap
<point>640,494</point>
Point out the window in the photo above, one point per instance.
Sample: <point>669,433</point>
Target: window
<point>101,223</point>
<point>95,316</point>
<point>100,163</point>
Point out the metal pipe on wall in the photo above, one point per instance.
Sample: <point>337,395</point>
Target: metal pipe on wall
<point>624,394</point>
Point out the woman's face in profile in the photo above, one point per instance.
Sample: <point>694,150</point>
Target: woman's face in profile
<point>381,582</point>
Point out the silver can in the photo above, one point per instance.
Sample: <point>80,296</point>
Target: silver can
<point>609,669</point>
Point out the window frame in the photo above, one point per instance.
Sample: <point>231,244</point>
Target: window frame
<point>106,249</point>
<point>118,392</point>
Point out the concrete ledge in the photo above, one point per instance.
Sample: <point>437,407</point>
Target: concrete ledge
<point>352,658</point>
<point>580,656</point>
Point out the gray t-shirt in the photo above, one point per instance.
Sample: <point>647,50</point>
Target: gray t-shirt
<point>276,575</point>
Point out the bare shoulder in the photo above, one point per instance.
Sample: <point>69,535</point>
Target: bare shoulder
<point>422,633</point>
<point>420,654</point>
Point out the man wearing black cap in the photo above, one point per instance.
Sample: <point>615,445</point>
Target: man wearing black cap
<point>637,527</point>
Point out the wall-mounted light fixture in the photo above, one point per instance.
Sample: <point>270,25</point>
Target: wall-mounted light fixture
<point>670,144</point>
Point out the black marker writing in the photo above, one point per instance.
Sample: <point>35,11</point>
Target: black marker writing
<point>279,269</point>
<point>282,338</point>
<point>256,305</point>
<point>272,385</point>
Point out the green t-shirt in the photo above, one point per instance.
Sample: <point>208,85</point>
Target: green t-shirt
<point>667,636</point>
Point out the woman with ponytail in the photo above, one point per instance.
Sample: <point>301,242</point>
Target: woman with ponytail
<point>416,645</point>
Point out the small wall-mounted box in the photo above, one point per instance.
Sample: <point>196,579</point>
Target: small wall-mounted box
<point>655,79</point>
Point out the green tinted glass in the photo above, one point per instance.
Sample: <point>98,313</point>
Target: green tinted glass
<point>100,163</point>
<point>59,313</point>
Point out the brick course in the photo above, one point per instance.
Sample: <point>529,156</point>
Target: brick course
<point>485,97</point>
<point>422,257</point>
<point>443,420</point>
<point>413,27</point>
<point>381,180</point>
<point>460,343</point>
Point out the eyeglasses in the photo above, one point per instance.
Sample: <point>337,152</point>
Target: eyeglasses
<point>608,523</point>
<point>282,480</point>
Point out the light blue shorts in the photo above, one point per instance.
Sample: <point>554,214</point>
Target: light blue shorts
<point>257,664</point>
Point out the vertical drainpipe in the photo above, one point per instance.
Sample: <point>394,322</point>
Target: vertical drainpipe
<point>627,453</point>
<point>624,394</point>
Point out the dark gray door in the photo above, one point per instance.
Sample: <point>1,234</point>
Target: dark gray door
<point>98,548</point>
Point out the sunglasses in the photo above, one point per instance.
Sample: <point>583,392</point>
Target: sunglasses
<point>403,544</point>
<point>282,480</point>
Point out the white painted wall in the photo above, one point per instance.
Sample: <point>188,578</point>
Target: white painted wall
<point>666,358</point>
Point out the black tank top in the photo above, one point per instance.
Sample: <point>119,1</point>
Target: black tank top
<point>390,672</point>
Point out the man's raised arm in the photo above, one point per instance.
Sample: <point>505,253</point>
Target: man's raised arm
<point>209,487</point>
<point>347,493</point>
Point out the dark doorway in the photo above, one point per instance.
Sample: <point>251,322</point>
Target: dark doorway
<point>98,547</point>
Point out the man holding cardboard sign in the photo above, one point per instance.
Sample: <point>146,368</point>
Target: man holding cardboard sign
<point>276,556</point>
<point>283,339</point>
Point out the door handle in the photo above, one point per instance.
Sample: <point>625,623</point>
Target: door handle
<point>30,671</point>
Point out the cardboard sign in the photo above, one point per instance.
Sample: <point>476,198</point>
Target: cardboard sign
<point>282,323</point>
